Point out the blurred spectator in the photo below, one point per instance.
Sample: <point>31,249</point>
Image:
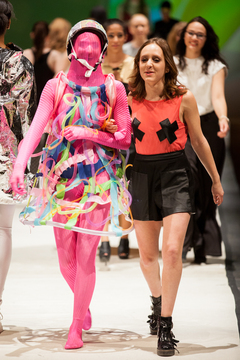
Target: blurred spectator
<point>58,32</point>
<point>163,27</point>
<point>121,65</point>
<point>139,29</point>
<point>131,7</point>
<point>202,69</point>
<point>99,14</point>
<point>39,53</point>
<point>174,35</point>
<point>115,61</point>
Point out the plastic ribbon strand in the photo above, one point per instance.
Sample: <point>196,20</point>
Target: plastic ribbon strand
<point>79,175</point>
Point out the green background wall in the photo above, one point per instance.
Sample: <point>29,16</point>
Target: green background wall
<point>223,15</point>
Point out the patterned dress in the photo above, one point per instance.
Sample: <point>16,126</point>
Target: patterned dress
<point>16,82</point>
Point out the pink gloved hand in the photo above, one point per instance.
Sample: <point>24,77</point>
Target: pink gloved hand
<point>17,180</point>
<point>74,132</point>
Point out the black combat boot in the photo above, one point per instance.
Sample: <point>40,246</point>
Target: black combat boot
<point>166,340</point>
<point>156,312</point>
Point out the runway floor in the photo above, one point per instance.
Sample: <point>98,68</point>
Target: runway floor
<point>37,303</point>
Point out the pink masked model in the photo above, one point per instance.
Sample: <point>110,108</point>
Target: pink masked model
<point>80,165</point>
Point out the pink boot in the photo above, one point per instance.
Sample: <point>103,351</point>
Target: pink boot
<point>74,340</point>
<point>87,323</point>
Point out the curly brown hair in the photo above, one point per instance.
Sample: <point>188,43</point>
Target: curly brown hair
<point>171,88</point>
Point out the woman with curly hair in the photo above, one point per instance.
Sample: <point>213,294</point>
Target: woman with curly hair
<point>161,183</point>
<point>203,70</point>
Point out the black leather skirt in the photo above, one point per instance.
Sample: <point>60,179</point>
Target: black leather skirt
<point>161,185</point>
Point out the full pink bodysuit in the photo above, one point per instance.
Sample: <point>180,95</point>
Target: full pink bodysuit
<point>77,251</point>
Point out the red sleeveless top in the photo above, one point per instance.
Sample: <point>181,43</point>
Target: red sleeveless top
<point>157,127</point>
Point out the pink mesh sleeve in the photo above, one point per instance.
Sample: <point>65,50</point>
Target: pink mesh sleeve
<point>36,130</point>
<point>121,139</point>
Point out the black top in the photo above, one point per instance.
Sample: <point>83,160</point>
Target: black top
<point>163,28</point>
<point>42,73</point>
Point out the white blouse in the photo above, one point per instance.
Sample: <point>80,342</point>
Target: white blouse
<point>199,83</point>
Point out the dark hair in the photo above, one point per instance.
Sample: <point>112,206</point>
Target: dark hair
<point>110,22</point>
<point>6,13</point>
<point>40,30</point>
<point>99,14</point>
<point>165,4</point>
<point>210,50</point>
<point>171,89</point>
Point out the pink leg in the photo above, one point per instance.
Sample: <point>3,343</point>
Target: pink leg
<point>77,254</point>
<point>67,261</point>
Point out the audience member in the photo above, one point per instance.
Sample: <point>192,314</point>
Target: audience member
<point>58,31</point>
<point>174,35</point>
<point>121,65</point>
<point>138,27</point>
<point>202,70</point>
<point>163,27</point>
<point>130,7</point>
<point>99,14</point>
<point>38,54</point>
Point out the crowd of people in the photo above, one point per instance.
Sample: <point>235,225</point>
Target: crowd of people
<point>116,86</point>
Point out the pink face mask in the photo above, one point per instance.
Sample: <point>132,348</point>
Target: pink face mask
<point>87,50</point>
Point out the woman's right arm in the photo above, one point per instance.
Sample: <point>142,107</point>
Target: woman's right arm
<point>33,136</point>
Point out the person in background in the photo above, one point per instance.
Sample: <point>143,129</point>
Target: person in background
<point>58,31</point>
<point>203,70</point>
<point>174,35</point>
<point>38,54</point>
<point>115,60</point>
<point>49,56</point>
<point>121,65</point>
<point>99,14</point>
<point>138,27</point>
<point>130,7</point>
<point>163,27</point>
<point>16,84</point>
<point>161,183</point>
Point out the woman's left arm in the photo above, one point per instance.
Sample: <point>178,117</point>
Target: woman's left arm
<point>189,113</point>
<point>219,102</point>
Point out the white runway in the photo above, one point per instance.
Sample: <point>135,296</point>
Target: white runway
<point>37,307</point>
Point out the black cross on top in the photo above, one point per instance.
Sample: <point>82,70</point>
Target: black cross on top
<point>167,131</point>
<point>138,134</point>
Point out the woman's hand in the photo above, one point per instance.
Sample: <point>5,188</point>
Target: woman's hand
<point>224,127</point>
<point>217,192</point>
<point>111,127</point>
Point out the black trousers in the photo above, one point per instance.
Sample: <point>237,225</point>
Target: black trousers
<point>204,233</point>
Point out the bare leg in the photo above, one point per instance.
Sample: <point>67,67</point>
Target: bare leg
<point>147,233</point>
<point>174,230</point>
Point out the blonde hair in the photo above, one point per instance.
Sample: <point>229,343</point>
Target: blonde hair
<point>58,32</point>
<point>173,34</point>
